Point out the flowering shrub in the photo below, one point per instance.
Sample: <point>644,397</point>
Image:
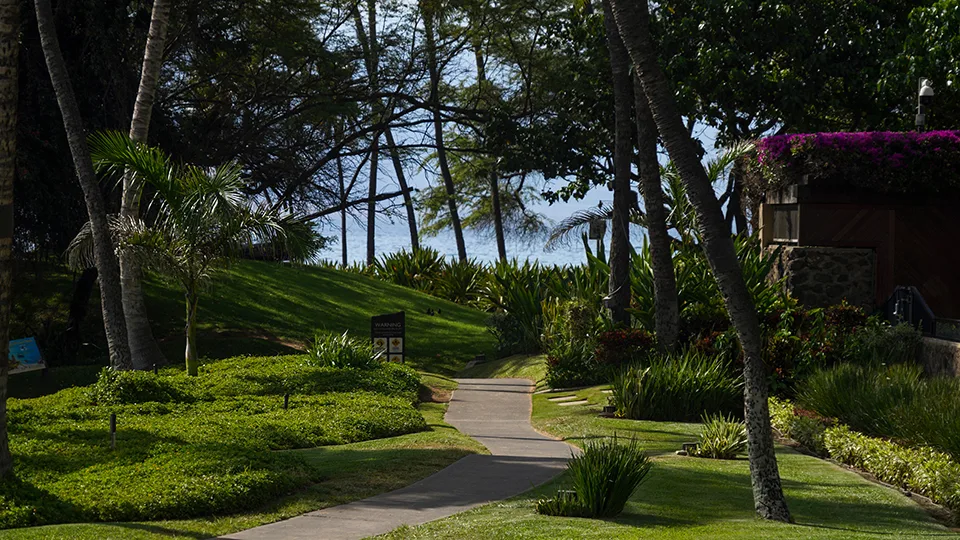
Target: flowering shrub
<point>887,162</point>
<point>619,347</point>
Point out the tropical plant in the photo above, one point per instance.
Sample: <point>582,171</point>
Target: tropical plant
<point>202,220</point>
<point>520,291</point>
<point>463,282</point>
<point>721,437</point>
<point>342,351</point>
<point>607,474</point>
<point>571,363</point>
<point>417,269</point>
<point>680,387</point>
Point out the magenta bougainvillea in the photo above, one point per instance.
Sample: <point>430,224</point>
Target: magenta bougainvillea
<point>889,162</point>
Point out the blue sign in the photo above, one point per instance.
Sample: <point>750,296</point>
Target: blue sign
<point>25,356</point>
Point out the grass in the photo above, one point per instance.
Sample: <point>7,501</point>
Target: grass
<point>264,308</point>
<point>691,498</point>
<point>520,366</point>
<point>347,473</point>
<point>193,446</point>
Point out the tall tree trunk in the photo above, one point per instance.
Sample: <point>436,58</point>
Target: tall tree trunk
<point>372,202</point>
<point>618,299</point>
<point>434,69</point>
<point>405,188</point>
<point>9,57</point>
<point>667,317</point>
<point>495,173</point>
<point>373,68</point>
<point>104,255</point>
<point>190,354</point>
<point>144,351</point>
<point>498,216</point>
<point>343,214</point>
<point>633,20</point>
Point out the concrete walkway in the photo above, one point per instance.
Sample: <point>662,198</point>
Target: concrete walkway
<point>496,412</point>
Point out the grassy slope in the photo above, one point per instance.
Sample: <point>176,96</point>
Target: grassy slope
<point>263,308</point>
<point>351,472</point>
<point>520,366</point>
<point>694,498</point>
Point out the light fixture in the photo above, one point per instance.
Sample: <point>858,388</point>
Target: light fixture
<point>924,100</point>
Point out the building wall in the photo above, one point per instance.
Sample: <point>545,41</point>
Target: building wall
<point>825,276</point>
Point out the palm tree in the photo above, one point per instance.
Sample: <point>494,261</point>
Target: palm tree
<point>619,293</point>
<point>665,297</point>
<point>202,220</point>
<point>144,351</point>
<point>104,257</point>
<point>633,20</point>
<point>9,50</point>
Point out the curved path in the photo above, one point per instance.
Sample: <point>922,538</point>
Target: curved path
<point>496,412</point>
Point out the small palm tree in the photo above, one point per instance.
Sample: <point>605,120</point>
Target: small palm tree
<point>200,220</point>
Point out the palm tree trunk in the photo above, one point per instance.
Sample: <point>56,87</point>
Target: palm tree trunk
<point>372,202</point>
<point>405,188</point>
<point>633,20</point>
<point>190,354</point>
<point>667,316</point>
<point>104,255</point>
<point>9,56</point>
<point>498,216</point>
<point>144,350</point>
<point>343,214</point>
<point>619,295</point>
<point>432,66</point>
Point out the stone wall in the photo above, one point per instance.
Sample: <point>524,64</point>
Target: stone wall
<point>940,357</point>
<point>823,276</point>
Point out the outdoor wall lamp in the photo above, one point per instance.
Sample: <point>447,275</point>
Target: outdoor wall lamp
<point>924,100</point>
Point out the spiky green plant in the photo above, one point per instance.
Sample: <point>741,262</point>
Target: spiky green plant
<point>607,474</point>
<point>341,351</point>
<point>679,387</point>
<point>721,437</point>
<point>418,269</point>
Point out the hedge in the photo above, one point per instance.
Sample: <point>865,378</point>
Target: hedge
<point>919,469</point>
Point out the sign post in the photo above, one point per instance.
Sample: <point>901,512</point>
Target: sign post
<point>388,333</point>
<point>25,356</point>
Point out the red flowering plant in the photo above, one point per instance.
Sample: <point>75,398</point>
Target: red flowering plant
<point>618,347</point>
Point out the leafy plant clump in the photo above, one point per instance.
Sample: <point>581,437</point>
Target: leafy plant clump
<point>889,401</point>
<point>604,477</point>
<point>721,437</point>
<point>920,469</point>
<point>342,351</point>
<point>193,446</point>
<point>678,388</point>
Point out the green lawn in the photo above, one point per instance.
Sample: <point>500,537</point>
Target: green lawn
<point>694,498</point>
<point>520,366</point>
<point>261,308</point>
<point>348,472</point>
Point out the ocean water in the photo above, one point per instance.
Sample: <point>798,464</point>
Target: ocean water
<point>393,236</point>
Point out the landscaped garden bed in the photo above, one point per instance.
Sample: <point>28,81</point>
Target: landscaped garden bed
<point>193,446</point>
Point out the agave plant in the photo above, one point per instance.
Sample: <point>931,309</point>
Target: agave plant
<point>721,437</point>
<point>201,220</point>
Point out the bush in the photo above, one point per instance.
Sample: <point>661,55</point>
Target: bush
<point>889,401</point>
<point>342,351</point>
<point>604,478</point>
<point>417,269</point>
<point>511,338</point>
<point>880,344</point>
<point>462,282</point>
<point>677,388</point>
<point>617,348</point>
<point>721,437</point>
<point>922,469</point>
<point>571,364</point>
<point>192,446</point>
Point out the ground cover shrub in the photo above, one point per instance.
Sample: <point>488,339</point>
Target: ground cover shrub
<point>342,351</point>
<point>721,437</point>
<point>680,387</point>
<point>604,477</point>
<point>205,445</point>
<point>889,401</point>
<point>571,364</point>
<point>920,469</point>
<point>617,348</point>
